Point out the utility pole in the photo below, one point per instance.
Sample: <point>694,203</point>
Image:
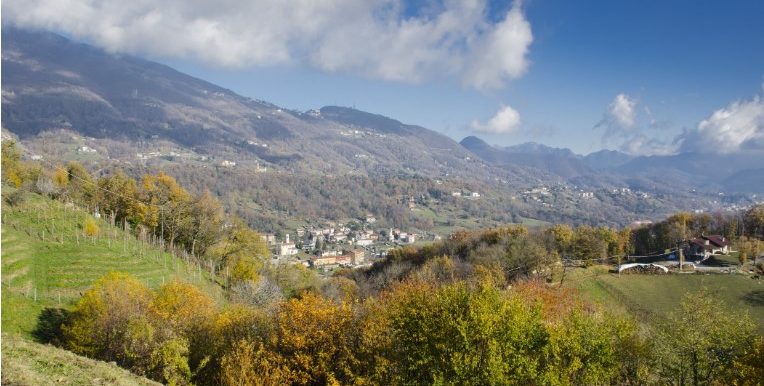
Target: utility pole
<point>681,258</point>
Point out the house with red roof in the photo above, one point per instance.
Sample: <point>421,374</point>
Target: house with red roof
<point>705,246</point>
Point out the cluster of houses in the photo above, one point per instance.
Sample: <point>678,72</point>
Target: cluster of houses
<point>336,244</point>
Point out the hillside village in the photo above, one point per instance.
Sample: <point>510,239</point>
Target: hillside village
<point>333,245</point>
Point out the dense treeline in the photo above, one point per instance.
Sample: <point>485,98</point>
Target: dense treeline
<point>670,233</point>
<point>509,253</point>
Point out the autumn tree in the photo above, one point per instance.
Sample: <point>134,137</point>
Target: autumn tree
<point>122,320</point>
<point>11,163</point>
<point>118,196</point>
<point>60,177</point>
<point>237,333</point>
<point>103,318</point>
<point>182,307</point>
<point>80,186</point>
<point>205,225</point>
<point>170,206</point>
<point>315,337</point>
<point>588,348</point>
<point>90,227</point>
<point>748,248</point>
<point>748,368</point>
<point>753,219</point>
<point>249,363</point>
<point>563,237</point>
<point>242,251</point>
<point>591,243</point>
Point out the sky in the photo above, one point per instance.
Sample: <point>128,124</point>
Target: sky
<point>644,77</point>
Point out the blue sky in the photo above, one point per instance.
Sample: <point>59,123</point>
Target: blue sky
<point>640,76</point>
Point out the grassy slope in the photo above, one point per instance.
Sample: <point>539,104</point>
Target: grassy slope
<point>45,255</point>
<point>652,297</point>
<point>27,363</point>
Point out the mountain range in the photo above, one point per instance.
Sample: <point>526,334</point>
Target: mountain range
<point>730,173</point>
<point>133,111</point>
<point>53,83</point>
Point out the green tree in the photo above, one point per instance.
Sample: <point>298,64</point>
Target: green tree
<point>454,335</point>
<point>563,236</point>
<point>697,343</point>
<point>753,219</point>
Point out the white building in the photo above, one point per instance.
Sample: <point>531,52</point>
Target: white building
<point>364,242</point>
<point>287,248</point>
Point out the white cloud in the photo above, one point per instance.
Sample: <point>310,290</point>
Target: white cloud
<point>506,120</point>
<point>502,55</point>
<point>372,38</point>
<point>733,128</point>
<point>620,113</point>
<point>619,121</point>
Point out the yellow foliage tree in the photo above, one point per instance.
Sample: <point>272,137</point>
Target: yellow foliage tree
<point>221,335</point>
<point>182,306</point>
<point>60,177</point>
<point>250,364</point>
<point>242,251</point>
<point>315,337</point>
<point>11,163</point>
<point>90,227</point>
<point>100,319</point>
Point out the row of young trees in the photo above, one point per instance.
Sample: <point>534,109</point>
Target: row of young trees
<point>154,206</point>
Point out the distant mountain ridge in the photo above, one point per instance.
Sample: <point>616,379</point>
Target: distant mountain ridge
<point>722,172</point>
<point>52,83</point>
<point>561,162</point>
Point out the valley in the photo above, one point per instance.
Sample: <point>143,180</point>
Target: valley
<point>157,227</point>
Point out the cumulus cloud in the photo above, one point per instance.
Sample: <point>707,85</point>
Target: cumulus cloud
<point>739,126</point>
<point>502,54</point>
<point>619,116</point>
<point>506,120</point>
<point>375,38</point>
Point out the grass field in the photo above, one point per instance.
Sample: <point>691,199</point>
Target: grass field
<point>653,297</point>
<point>27,363</point>
<point>48,262</point>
